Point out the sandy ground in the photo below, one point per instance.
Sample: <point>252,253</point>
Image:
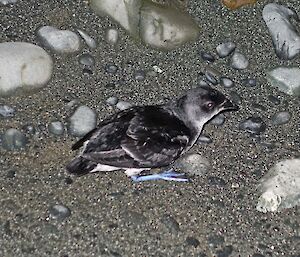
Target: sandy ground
<point>213,215</point>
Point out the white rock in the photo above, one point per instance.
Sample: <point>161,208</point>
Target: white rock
<point>88,40</point>
<point>285,37</point>
<point>60,41</point>
<point>23,66</point>
<point>112,36</point>
<point>280,187</point>
<point>161,28</point>
<point>156,25</point>
<point>225,49</point>
<point>239,61</point>
<point>5,2</point>
<point>123,105</point>
<point>83,120</point>
<point>285,79</point>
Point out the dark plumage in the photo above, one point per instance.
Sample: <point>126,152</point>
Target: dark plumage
<point>145,137</point>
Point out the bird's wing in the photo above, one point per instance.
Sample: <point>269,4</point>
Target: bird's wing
<point>148,137</point>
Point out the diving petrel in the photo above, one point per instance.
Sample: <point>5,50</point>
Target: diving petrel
<point>145,137</point>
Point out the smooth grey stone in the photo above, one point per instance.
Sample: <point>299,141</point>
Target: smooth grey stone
<point>113,100</point>
<point>225,49</point>
<point>59,212</point>
<point>140,75</point>
<point>56,128</point>
<point>6,111</point>
<point>13,139</point>
<point>249,82</point>
<point>273,99</point>
<point>111,68</point>
<point>218,120</point>
<point>281,118</point>
<point>226,82</point>
<point>207,57</point>
<point>253,125</point>
<point>87,60</point>
<point>204,139</point>
<point>111,36</point>
<point>122,105</point>
<point>212,75</point>
<point>88,39</point>
<point>239,61</point>
<point>83,120</point>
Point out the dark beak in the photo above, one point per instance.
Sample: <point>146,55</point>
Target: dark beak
<point>229,106</point>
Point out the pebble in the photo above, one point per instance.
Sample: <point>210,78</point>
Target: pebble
<point>193,163</point>
<point>29,129</point>
<point>249,82</point>
<point>192,241</point>
<point>218,120</point>
<point>5,2</point>
<point>286,79</point>
<point>207,56</point>
<point>212,75</point>
<point>88,40</point>
<point>111,68</point>
<point>82,121</point>
<point>123,105</point>
<point>24,66</point>
<point>141,22</point>
<point>113,100</point>
<point>170,223</point>
<point>285,36</point>
<point>139,75</point>
<point>60,41</point>
<point>13,139</point>
<point>87,60</point>
<point>226,82</point>
<point>59,212</point>
<point>111,36</point>
<point>253,125</point>
<point>216,181</point>
<point>56,128</point>
<point>239,61</point>
<point>281,118</point>
<point>204,139</point>
<point>225,49</point>
<point>6,111</point>
<point>225,252</point>
<point>236,98</point>
<point>280,187</point>
<point>273,99</point>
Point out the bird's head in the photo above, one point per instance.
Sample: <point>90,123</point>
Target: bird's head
<point>201,104</point>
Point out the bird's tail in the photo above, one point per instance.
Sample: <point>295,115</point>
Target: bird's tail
<point>80,166</point>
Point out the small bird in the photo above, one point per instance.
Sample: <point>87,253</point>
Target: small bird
<point>144,137</point>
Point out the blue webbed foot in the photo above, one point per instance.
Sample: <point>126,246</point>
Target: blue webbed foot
<point>169,175</point>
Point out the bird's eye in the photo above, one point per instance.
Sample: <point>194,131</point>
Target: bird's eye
<point>210,105</point>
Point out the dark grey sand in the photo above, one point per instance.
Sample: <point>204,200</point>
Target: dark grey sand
<point>110,215</point>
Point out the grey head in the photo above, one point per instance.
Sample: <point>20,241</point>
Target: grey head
<point>201,104</point>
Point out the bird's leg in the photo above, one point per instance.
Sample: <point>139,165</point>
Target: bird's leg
<point>169,175</point>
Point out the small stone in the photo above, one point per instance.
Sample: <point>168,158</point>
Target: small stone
<point>249,82</point>
<point>88,40</point>
<point>111,68</point>
<point>113,100</point>
<point>286,79</point>
<point>204,139</point>
<point>13,139</point>
<point>29,129</point>
<point>170,223</point>
<point>140,75</point>
<point>236,98</point>
<point>216,181</point>
<point>123,105</point>
<point>6,111</point>
<point>82,121</point>
<point>11,174</point>
<point>225,252</point>
<point>60,41</point>
<point>112,36</point>
<point>59,212</point>
<point>87,60</point>
<point>5,2</point>
<point>218,120</point>
<point>194,164</point>
<point>207,57</point>
<point>273,99</point>
<point>253,125</point>
<point>157,69</point>
<point>225,49</point>
<point>239,61</point>
<point>226,82</point>
<point>87,70</point>
<point>192,241</point>
<point>216,240</point>
<point>281,118</point>
<point>56,128</point>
